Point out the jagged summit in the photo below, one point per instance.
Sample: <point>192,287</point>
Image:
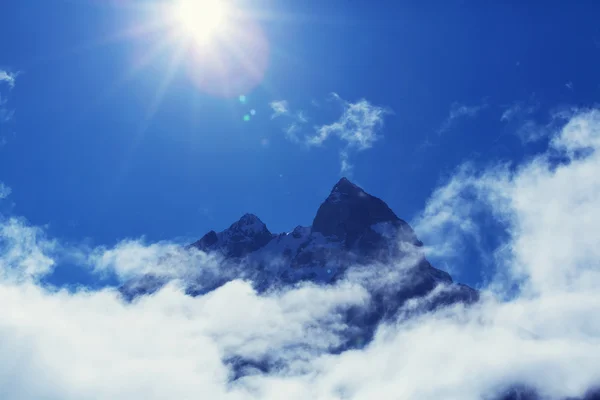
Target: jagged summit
<point>346,188</point>
<point>244,236</point>
<point>349,213</point>
<point>349,220</point>
<point>249,223</point>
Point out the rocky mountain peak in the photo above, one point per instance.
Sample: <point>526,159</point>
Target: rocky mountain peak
<point>345,188</point>
<point>349,212</point>
<point>249,223</point>
<point>244,236</point>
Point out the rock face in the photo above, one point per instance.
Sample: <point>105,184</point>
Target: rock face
<point>241,238</point>
<point>351,216</point>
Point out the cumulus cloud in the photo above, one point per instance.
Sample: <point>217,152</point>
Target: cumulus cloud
<point>458,111</point>
<point>25,251</point>
<point>60,345</point>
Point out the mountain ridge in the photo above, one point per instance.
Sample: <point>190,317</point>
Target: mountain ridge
<point>350,228</point>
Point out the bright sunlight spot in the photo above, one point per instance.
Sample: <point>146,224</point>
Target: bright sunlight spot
<point>201,20</point>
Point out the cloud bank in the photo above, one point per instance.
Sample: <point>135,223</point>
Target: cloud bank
<point>536,325</point>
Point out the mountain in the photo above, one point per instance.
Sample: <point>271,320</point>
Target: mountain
<point>351,228</point>
<point>353,236</point>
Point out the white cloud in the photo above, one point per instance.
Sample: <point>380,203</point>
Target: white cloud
<point>458,111</point>
<point>346,166</point>
<point>295,120</point>
<point>519,110</point>
<point>520,118</point>
<point>6,114</point>
<point>5,191</point>
<point>24,251</point>
<point>358,128</point>
<point>8,78</point>
<point>280,107</point>
<point>60,345</point>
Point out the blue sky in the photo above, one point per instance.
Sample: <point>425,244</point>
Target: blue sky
<point>120,140</point>
<point>95,150</point>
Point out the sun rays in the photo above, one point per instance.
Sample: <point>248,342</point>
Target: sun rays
<point>201,20</point>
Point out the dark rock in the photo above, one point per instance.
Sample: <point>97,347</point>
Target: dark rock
<point>348,213</point>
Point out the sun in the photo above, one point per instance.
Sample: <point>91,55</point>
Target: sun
<point>200,20</point>
<point>220,44</point>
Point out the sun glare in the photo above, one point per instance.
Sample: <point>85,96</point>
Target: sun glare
<point>200,20</point>
<point>220,43</point>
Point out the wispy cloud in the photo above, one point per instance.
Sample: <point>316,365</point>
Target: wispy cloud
<point>346,167</point>
<point>519,110</point>
<point>6,114</point>
<point>358,127</point>
<point>521,120</point>
<point>292,131</point>
<point>279,107</point>
<point>5,191</point>
<point>459,111</point>
<point>8,78</point>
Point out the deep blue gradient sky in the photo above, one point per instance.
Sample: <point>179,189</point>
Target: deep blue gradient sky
<point>86,155</point>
